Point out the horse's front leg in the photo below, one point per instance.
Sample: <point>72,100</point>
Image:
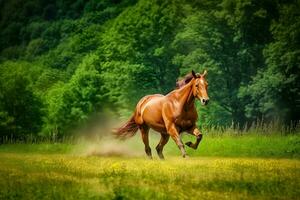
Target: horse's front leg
<point>195,131</point>
<point>173,132</point>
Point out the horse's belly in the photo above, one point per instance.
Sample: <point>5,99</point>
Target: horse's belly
<point>158,127</point>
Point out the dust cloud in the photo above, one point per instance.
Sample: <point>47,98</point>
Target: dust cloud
<point>96,139</point>
<point>110,147</point>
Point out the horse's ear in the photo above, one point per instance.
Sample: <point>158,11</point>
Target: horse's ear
<point>194,74</point>
<point>204,73</point>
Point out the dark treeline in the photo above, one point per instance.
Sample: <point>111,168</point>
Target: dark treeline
<point>63,61</point>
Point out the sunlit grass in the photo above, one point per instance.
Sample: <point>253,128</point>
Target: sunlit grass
<point>234,171</point>
<point>79,177</point>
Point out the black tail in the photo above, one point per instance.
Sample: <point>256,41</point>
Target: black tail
<point>128,130</point>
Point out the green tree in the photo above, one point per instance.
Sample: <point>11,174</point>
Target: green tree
<point>228,40</point>
<point>274,91</point>
<point>70,105</point>
<point>136,51</point>
<point>20,108</point>
<point>74,58</point>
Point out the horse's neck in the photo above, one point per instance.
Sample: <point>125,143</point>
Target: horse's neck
<point>185,96</point>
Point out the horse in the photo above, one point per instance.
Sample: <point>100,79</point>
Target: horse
<point>170,115</point>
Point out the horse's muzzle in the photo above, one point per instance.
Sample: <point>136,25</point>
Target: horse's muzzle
<point>204,101</point>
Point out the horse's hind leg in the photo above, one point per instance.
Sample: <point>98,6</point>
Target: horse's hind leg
<point>145,134</point>
<point>159,148</point>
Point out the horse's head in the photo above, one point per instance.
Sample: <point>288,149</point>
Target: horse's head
<point>200,87</point>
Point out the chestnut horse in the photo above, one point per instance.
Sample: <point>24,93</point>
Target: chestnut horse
<point>170,115</point>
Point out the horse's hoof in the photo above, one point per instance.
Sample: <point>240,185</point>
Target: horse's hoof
<point>188,144</point>
<point>191,145</point>
<point>161,156</point>
<point>185,156</point>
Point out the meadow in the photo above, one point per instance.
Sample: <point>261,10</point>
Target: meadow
<point>224,167</point>
<point>72,68</point>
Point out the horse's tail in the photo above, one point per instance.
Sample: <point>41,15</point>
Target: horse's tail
<point>127,130</point>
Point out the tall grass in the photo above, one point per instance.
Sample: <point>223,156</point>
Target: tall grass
<point>258,127</point>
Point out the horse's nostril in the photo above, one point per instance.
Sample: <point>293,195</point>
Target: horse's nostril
<point>205,101</point>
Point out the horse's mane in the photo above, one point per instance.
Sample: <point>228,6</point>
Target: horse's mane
<point>183,81</point>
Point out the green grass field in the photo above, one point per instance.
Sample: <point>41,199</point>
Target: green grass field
<point>224,167</point>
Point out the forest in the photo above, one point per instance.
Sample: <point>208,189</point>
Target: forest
<point>65,62</point>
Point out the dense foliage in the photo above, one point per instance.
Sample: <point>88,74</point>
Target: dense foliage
<point>63,61</point>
